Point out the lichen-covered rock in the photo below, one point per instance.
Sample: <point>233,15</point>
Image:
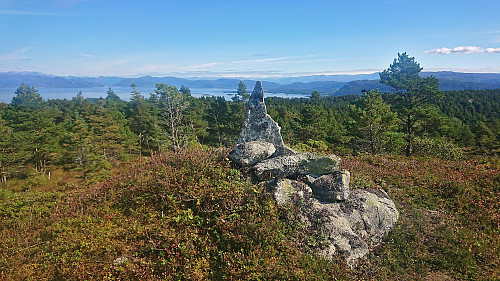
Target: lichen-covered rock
<point>287,191</point>
<point>296,164</point>
<point>351,227</point>
<point>371,213</point>
<point>331,187</point>
<point>258,125</point>
<point>250,153</point>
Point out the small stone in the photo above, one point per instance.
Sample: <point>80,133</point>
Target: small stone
<point>287,191</point>
<point>119,261</point>
<point>332,187</point>
<point>250,153</point>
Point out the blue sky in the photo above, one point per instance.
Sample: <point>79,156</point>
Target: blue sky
<point>245,38</point>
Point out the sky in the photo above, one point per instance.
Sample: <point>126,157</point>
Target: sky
<point>247,39</point>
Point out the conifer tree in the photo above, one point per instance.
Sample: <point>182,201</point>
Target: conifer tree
<point>374,120</point>
<point>27,97</point>
<point>141,121</point>
<point>412,93</point>
<point>241,93</point>
<point>5,136</point>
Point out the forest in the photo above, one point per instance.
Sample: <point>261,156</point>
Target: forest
<point>89,136</point>
<point>142,190</point>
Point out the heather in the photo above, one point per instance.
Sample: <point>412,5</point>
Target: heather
<point>450,218</point>
<point>185,215</point>
<point>190,215</point>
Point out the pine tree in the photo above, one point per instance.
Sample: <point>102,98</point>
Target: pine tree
<point>141,121</point>
<point>5,146</point>
<point>374,120</point>
<point>412,93</point>
<point>241,94</point>
<point>27,97</point>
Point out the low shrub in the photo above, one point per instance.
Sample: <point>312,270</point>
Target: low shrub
<point>437,147</point>
<point>181,215</point>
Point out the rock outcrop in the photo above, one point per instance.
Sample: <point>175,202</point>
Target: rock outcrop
<point>351,227</point>
<point>352,221</point>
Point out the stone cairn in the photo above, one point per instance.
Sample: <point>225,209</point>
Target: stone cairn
<point>352,222</point>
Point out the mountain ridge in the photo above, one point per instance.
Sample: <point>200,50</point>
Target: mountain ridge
<point>327,85</point>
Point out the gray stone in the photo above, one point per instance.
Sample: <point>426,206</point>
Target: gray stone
<point>287,191</point>
<point>250,153</point>
<point>288,151</point>
<point>352,227</point>
<point>120,260</point>
<point>332,187</point>
<point>295,165</point>
<point>258,125</point>
<point>371,213</point>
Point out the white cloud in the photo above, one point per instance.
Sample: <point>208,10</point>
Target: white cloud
<point>203,65</point>
<point>462,50</point>
<point>86,55</point>
<point>487,69</point>
<point>492,50</point>
<point>18,54</point>
<point>260,60</point>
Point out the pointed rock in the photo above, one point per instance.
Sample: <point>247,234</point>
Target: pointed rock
<point>258,125</point>
<point>258,93</point>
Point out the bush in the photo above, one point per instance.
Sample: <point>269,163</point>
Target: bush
<point>314,146</point>
<point>437,147</point>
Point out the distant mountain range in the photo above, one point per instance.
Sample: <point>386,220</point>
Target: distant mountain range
<point>327,85</point>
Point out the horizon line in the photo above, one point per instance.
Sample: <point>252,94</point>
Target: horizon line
<point>252,76</point>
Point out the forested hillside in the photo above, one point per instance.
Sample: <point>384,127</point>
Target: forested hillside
<point>88,136</point>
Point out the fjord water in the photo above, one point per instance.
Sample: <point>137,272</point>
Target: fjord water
<point>6,94</point>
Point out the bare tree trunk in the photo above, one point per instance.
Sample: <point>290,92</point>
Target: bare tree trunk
<point>409,137</point>
<point>4,175</point>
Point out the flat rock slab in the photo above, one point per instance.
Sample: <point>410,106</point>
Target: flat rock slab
<point>297,164</point>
